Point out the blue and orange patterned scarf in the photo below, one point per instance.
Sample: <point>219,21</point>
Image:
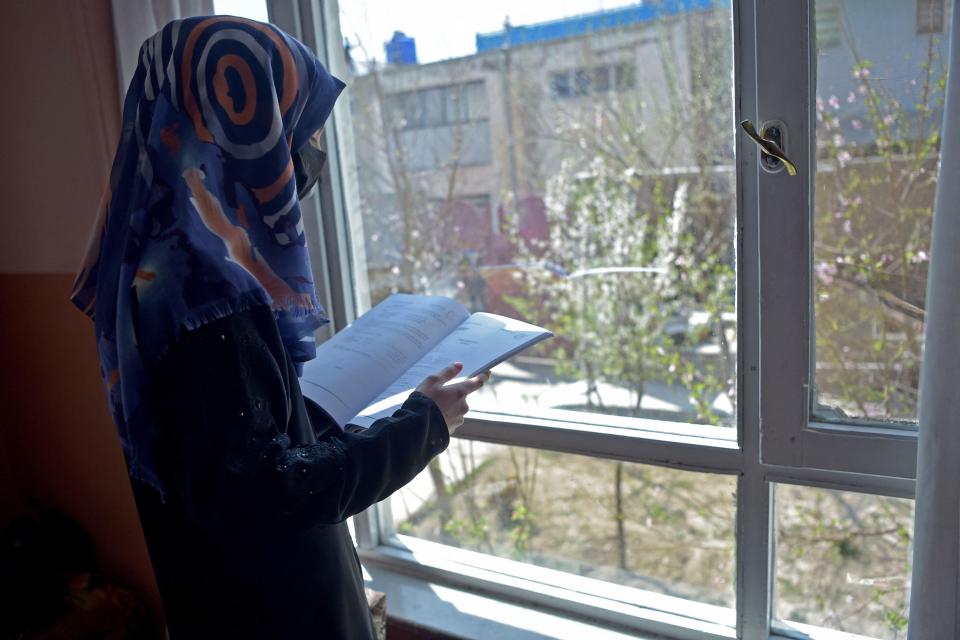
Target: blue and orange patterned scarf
<point>201,218</point>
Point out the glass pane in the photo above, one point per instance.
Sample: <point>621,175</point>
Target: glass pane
<point>253,9</point>
<point>601,79</point>
<point>843,560</point>
<point>608,217</point>
<point>433,107</point>
<point>879,107</point>
<point>657,529</point>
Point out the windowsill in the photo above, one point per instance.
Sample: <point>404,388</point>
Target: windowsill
<point>514,589</point>
<point>422,592</point>
<point>462,614</point>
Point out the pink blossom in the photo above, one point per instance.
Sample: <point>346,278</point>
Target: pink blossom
<point>839,140</point>
<point>889,120</point>
<point>847,226</point>
<point>851,97</point>
<point>824,272</point>
<point>834,102</point>
<point>819,103</point>
<point>856,124</point>
<point>843,158</point>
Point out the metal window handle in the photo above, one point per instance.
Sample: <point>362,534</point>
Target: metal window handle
<point>769,146</point>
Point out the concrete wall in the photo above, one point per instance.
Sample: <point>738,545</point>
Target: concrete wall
<point>883,32</point>
<point>61,118</point>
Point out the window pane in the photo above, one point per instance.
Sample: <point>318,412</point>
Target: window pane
<point>843,560</point>
<point>828,25</point>
<point>581,82</point>
<point>433,107</point>
<point>475,101</point>
<point>560,84</point>
<point>625,76</point>
<point>601,79</point>
<point>929,16</point>
<point>879,107</point>
<point>253,9</point>
<point>661,530</point>
<point>412,103</point>
<point>610,219</point>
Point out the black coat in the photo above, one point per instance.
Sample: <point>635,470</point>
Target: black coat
<point>250,541</point>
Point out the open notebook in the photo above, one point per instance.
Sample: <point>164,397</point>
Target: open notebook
<point>366,371</point>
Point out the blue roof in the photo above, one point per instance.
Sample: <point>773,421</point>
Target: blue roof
<point>590,22</point>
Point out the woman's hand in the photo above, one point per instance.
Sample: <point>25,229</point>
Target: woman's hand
<point>452,399</point>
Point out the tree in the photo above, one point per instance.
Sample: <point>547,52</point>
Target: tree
<point>640,235</point>
<point>874,209</point>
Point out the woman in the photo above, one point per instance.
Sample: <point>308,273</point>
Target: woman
<point>199,283</point>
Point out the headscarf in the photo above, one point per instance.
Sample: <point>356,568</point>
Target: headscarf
<point>201,217</point>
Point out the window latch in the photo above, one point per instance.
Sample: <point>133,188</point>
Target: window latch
<point>770,141</point>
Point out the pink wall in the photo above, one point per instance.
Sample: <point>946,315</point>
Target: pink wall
<point>60,118</point>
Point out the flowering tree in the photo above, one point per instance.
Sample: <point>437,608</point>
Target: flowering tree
<point>640,223</point>
<point>874,208</point>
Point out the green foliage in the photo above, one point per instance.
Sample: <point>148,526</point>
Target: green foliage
<point>521,530</point>
<point>467,531</point>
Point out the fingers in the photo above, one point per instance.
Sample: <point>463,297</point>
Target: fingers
<point>470,385</point>
<point>448,373</point>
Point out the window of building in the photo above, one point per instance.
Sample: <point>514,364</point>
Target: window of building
<point>661,466</point>
<point>560,84</point>
<point>435,128</point>
<point>829,29</point>
<point>437,106</point>
<point>929,16</point>
<point>595,80</point>
<point>624,77</point>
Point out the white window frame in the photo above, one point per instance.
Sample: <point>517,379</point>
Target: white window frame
<point>773,247</point>
<point>790,436</point>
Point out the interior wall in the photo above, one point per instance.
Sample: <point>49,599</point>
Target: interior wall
<point>11,495</point>
<point>61,119</point>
